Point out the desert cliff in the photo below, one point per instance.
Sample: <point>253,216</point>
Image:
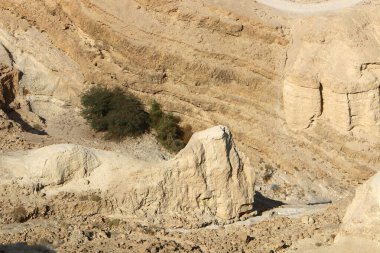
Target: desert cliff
<point>297,85</point>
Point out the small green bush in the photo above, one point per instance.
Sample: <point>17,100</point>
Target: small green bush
<point>156,114</point>
<point>275,187</point>
<point>96,104</point>
<point>120,114</point>
<point>169,133</point>
<point>95,198</point>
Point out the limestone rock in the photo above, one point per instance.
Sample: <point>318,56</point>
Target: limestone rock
<point>52,165</point>
<point>45,69</point>
<point>333,74</point>
<point>225,178</point>
<point>9,78</point>
<point>360,229</point>
<point>362,218</point>
<point>208,177</point>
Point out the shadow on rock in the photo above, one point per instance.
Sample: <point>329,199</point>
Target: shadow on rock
<point>15,116</point>
<point>262,203</point>
<point>24,248</point>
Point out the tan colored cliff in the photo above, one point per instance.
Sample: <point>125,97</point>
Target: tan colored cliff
<point>298,91</point>
<point>333,74</point>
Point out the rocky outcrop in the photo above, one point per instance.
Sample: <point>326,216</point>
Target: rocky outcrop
<point>221,62</point>
<point>333,75</point>
<point>52,165</point>
<point>208,178</point>
<point>40,67</point>
<point>362,218</point>
<point>9,79</point>
<point>360,228</point>
<point>224,177</point>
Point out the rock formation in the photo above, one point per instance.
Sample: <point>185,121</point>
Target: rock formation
<point>209,177</point>
<point>359,231</point>
<point>297,91</point>
<point>361,223</point>
<point>9,78</point>
<point>333,75</point>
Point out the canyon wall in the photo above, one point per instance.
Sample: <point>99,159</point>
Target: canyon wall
<point>300,94</point>
<point>333,74</point>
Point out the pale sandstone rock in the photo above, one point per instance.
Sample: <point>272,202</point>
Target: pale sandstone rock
<point>301,105</point>
<point>360,229</point>
<point>212,73</point>
<point>362,218</point>
<point>52,165</point>
<point>208,177</point>
<point>45,69</point>
<point>337,71</point>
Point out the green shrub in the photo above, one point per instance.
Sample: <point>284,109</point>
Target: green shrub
<point>156,114</point>
<point>96,104</point>
<point>169,133</point>
<point>275,187</point>
<point>95,198</point>
<point>120,114</point>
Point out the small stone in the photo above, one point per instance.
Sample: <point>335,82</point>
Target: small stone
<point>243,236</point>
<point>305,220</point>
<point>103,234</point>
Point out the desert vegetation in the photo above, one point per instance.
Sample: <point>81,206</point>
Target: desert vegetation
<point>121,114</point>
<point>167,128</point>
<point>118,113</point>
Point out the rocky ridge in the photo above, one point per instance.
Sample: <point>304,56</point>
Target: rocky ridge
<point>208,178</point>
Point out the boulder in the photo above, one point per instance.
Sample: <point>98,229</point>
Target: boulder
<point>360,229</point>
<point>362,218</point>
<point>51,165</point>
<point>209,177</point>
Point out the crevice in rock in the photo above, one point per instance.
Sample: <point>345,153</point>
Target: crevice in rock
<point>321,95</point>
<point>349,113</point>
<point>16,117</point>
<point>9,54</point>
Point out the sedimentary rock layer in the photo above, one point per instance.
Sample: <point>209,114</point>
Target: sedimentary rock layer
<point>208,178</point>
<point>299,92</point>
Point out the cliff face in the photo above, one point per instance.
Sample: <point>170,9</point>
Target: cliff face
<point>9,77</point>
<point>300,93</point>
<point>333,74</point>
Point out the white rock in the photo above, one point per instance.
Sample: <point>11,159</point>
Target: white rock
<point>208,177</point>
